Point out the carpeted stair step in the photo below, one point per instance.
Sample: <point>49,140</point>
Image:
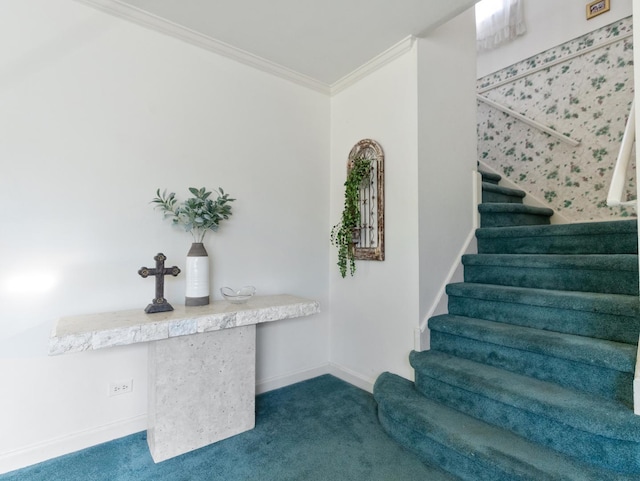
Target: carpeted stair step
<point>495,193</point>
<point>590,428</point>
<point>613,317</point>
<point>530,374</point>
<point>490,177</point>
<point>613,273</point>
<point>470,448</point>
<point>600,367</point>
<point>505,214</point>
<point>612,237</point>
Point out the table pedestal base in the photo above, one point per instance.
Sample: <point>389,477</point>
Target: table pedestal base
<point>201,390</point>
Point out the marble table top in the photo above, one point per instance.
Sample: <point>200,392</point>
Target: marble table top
<point>120,328</point>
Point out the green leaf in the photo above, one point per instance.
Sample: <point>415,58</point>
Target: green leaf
<point>196,214</point>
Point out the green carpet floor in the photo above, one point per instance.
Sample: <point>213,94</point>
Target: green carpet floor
<point>321,429</point>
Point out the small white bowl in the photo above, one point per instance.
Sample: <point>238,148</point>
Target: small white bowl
<point>238,297</point>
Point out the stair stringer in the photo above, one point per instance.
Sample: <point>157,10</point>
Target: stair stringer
<point>456,272</point>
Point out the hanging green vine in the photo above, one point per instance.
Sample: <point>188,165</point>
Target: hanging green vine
<point>342,234</point>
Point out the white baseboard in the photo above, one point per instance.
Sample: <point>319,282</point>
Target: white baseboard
<point>69,443</point>
<point>351,377</point>
<point>332,368</point>
<point>291,378</point>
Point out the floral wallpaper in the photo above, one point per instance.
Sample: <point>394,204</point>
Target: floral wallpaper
<point>588,98</point>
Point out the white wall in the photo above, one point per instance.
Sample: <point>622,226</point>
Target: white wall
<point>549,23</point>
<point>375,312</point>
<point>421,109</point>
<point>447,141</point>
<point>95,114</point>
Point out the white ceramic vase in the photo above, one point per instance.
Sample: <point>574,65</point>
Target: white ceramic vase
<point>197,276</point>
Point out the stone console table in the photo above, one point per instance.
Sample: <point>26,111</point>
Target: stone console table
<point>201,363</point>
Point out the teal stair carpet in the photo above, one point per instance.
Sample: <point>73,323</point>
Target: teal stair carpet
<point>529,375</point>
<point>319,430</point>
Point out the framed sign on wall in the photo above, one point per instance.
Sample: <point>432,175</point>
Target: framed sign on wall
<point>598,7</point>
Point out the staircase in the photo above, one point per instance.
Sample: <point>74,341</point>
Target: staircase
<point>529,376</point>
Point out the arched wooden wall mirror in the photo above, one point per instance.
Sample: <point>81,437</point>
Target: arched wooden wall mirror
<point>369,238</point>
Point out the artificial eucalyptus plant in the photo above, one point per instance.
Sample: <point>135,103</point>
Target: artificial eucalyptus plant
<point>343,233</point>
<point>197,214</point>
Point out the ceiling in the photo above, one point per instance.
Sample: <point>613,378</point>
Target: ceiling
<point>323,40</point>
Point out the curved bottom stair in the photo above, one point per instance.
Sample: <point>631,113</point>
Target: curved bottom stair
<point>469,448</point>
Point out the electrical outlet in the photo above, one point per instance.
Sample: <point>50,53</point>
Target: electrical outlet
<point>120,387</point>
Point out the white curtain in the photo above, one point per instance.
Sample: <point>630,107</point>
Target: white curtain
<point>503,25</point>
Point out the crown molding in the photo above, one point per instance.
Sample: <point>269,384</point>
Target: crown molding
<point>148,20</point>
<point>377,62</point>
<point>153,22</point>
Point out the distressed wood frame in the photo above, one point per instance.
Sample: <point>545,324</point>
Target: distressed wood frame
<point>370,149</point>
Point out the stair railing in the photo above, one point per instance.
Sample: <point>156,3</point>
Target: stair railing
<point>617,187</point>
<point>533,123</point>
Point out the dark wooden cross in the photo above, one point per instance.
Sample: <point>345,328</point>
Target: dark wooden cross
<point>159,304</point>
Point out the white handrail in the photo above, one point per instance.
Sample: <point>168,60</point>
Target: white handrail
<point>528,121</point>
<point>617,187</point>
